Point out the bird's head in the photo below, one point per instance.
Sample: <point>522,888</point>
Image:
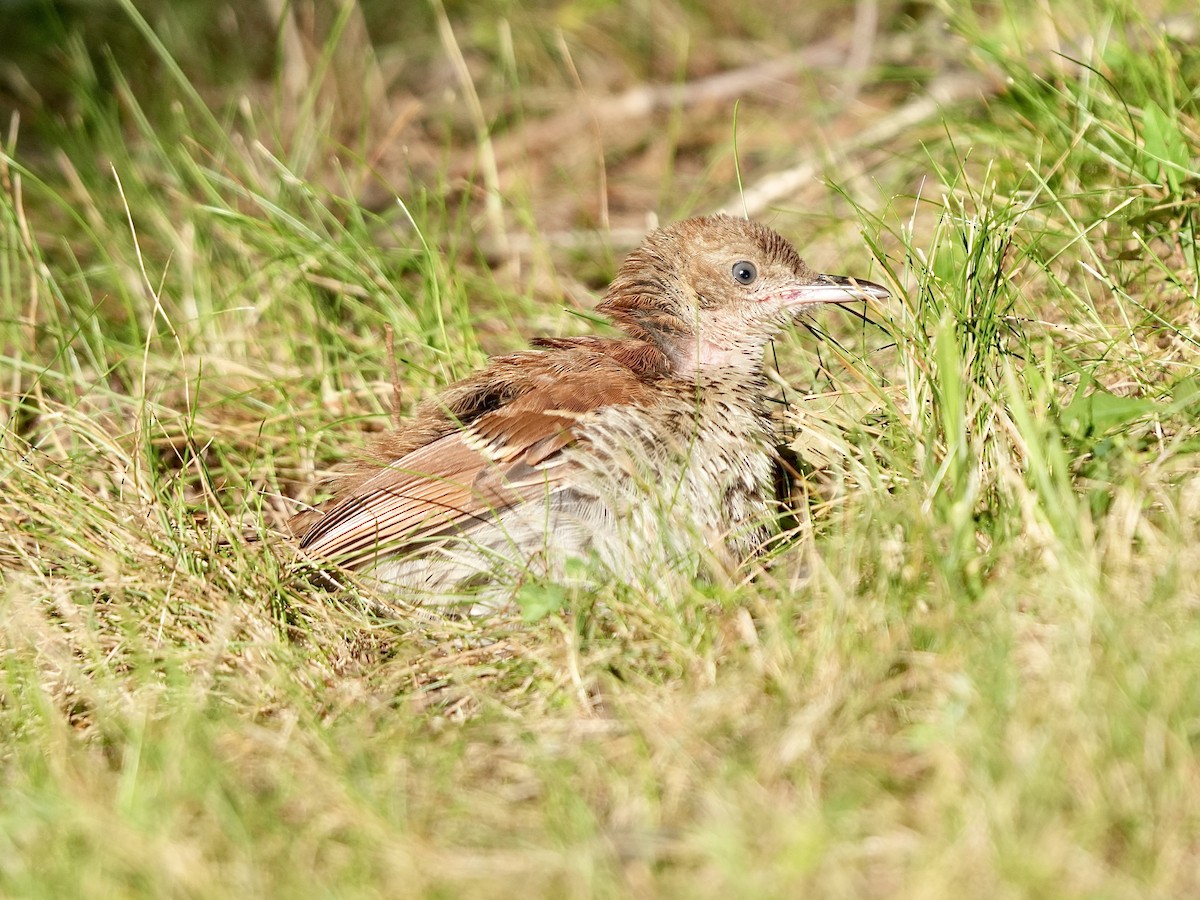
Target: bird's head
<point>711,291</point>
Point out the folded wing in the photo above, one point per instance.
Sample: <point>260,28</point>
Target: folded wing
<point>508,456</point>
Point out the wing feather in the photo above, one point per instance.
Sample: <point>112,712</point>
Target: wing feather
<point>508,455</point>
<point>452,484</point>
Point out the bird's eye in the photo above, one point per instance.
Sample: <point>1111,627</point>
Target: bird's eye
<point>744,272</point>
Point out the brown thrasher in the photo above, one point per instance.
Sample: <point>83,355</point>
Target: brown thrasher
<point>646,455</point>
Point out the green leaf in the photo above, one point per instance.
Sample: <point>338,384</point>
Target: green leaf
<point>1165,143</point>
<point>1099,411</point>
<point>538,599</point>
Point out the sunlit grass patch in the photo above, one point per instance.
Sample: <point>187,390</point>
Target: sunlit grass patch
<point>972,662</point>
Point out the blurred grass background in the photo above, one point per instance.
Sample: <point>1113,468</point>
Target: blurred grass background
<point>970,667</point>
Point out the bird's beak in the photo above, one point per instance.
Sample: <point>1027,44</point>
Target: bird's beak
<point>834,289</point>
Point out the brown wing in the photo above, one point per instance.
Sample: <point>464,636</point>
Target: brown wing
<point>508,456</point>
<point>447,485</point>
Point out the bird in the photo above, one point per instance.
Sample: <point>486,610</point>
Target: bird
<point>640,458</point>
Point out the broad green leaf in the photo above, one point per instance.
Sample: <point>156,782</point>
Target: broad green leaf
<point>539,599</point>
<point>1099,411</point>
<point>1165,142</point>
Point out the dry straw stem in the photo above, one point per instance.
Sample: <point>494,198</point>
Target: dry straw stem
<point>778,187</point>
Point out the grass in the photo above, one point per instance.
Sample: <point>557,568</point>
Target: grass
<point>973,665</point>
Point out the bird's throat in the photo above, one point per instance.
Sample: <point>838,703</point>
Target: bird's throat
<point>701,356</point>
